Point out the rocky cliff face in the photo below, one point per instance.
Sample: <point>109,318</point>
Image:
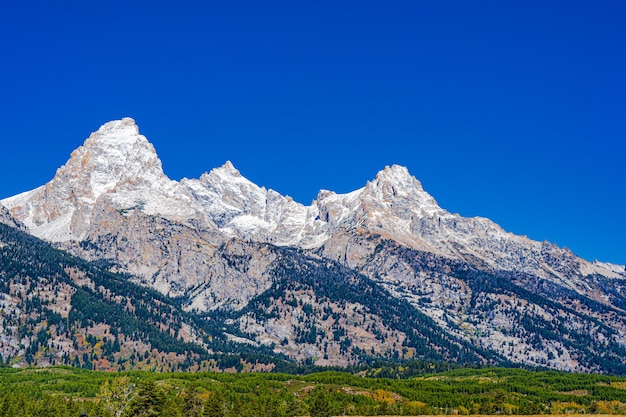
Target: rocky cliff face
<point>209,242</point>
<point>7,219</point>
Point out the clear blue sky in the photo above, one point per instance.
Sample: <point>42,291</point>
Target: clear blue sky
<point>512,110</point>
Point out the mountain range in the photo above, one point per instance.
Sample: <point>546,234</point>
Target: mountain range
<point>382,272</point>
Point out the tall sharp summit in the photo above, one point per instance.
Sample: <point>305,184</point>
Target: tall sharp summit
<point>114,162</point>
<point>221,242</point>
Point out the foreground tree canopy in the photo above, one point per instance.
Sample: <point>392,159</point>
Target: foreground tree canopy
<point>71,392</point>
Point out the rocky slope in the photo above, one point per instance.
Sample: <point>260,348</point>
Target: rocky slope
<point>58,309</point>
<point>211,243</point>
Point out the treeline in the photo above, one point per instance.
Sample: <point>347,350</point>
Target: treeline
<point>38,278</point>
<point>143,329</point>
<point>297,271</point>
<point>69,392</point>
<point>582,330</point>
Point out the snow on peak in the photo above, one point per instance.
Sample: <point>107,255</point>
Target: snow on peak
<point>126,124</point>
<point>118,171</point>
<point>117,161</point>
<point>118,135</point>
<point>323,194</point>
<point>399,176</point>
<point>227,170</point>
<point>116,153</point>
<point>227,177</point>
<point>394,186</point>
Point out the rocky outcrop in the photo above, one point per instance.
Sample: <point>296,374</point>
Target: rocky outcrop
<point>9,220</point>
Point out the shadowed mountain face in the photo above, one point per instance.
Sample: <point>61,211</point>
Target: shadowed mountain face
<point>382,271</point>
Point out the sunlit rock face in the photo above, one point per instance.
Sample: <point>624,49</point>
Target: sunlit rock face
<point>115,163</point>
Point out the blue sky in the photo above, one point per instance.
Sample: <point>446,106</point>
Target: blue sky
<point>515,110</point>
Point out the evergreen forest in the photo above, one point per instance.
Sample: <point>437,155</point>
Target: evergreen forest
<point>411,389</point>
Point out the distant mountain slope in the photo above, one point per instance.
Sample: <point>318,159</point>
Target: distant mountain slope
<point>523,317</point>
<point>58,309</point>
<point>241,256</point>
<point>323,311</point>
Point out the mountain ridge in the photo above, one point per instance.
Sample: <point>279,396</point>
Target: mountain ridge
<point>106,157</point>
<point>213,243</point>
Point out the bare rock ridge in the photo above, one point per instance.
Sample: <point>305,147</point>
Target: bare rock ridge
<point>212,241</point>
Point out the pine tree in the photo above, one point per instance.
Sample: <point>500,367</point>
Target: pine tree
<point>148,402</point>
<point>215,405</point>
<point>321,406</point>
<point>192,405</point>
<point>173,409</point>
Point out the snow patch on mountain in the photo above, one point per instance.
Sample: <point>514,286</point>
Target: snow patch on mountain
<point>241,208</point>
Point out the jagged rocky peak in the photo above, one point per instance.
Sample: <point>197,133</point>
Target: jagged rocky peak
<point>322,194</point>
<point>226,176</point>
<point>224,189</point>
<point>393,195</point>
<point>115,162</point>
<point>123,130</point>
<point>399,175</point>
<point>239,206</point>
<point>227,170</point>
<point>114,154</point>
<point>396,184</point>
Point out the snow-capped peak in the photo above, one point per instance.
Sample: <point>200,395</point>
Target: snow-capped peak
<point>113,154</point>
<point>118,170</point>
<point>398,175</point>
<point>114,160</point>
<point>123,130</point>
<point>395,186</point>
<point>228,169</point>
<point>227,178</point>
